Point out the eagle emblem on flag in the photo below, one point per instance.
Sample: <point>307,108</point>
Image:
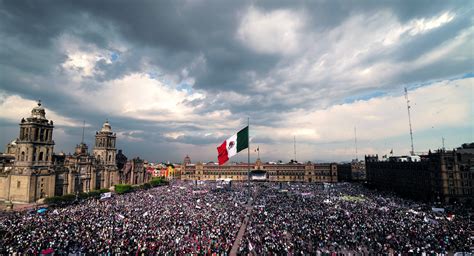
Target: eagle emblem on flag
<point>231,145</point>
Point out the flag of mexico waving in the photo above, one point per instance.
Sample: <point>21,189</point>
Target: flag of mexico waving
<point>233,145</point>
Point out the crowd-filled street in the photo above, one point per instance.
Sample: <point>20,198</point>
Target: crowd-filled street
<point>188,218</point>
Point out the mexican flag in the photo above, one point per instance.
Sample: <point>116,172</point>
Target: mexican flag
<point>233,145</point>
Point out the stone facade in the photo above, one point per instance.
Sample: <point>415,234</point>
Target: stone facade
<point>443,176</point>
<point>308,172</point>
<point>352,172</point>
<point>35,172</point>
<point>134,172</point>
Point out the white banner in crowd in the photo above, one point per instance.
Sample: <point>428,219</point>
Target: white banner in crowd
<point>106,195</point>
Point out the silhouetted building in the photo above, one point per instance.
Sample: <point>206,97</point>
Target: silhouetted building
<point>351,172</point>
<point>344,172</point>
<point>120,159</point>
<point>443,176</point>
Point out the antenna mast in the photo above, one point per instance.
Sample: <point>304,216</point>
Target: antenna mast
<point>294,146</point>
<point>83,127</point>
<point>443,142</point>
<point>355,140</point>
<point>412,152</point>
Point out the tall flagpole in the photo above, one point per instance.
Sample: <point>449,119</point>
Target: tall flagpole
<point>248,153</point>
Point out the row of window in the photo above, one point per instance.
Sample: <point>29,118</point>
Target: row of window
<point>42,156</point>
<point>105,142</point>
<point>36,134</point>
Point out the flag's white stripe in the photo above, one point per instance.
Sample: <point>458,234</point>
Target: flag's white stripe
<point>231,144</point>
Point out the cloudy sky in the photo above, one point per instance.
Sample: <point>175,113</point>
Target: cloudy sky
<point>179,77</point>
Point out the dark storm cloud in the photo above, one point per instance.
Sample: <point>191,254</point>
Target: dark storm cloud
<point>164,38</point>
<point>173,33</point>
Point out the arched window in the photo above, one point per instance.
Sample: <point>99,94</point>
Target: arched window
<point>40,156</point>
<point>110,158</point>
<point>22,158</point>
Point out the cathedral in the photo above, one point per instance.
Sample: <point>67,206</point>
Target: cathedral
<point>31,171</point>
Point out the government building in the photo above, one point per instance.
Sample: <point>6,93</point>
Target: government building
<point>443,176</point>
<point>31,171</point>
<point>273,172</point>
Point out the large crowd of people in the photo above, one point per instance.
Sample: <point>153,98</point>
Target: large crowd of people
<point>348,218</point>
<point>178,219</point>
<point>187,218</point>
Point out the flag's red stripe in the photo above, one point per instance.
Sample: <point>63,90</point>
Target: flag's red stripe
<point>222,155</point>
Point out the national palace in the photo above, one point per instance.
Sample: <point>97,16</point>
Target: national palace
<point>274,172</point>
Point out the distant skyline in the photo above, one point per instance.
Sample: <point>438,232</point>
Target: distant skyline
<point>176,78</point>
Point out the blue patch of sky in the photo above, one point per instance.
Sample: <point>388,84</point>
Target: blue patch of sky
<point>430,82</point>
<point>468,75</point>
<point>183,86</point>
<point>375,94</point>
<point>154,74</point>
<point>364,96</point>
<point>114,56</point>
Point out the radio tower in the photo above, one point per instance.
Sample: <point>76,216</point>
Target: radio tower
<point>412,152</point>
<point>83,127</point>
<point>294,146</point>
<point>355,142</point>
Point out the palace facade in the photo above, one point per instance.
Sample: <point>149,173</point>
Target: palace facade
<point>31,171</point>
<point>308,172</point>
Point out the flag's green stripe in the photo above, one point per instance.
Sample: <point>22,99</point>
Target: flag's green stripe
<point>243,139</point>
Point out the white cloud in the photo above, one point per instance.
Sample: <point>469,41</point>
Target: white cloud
<point>316,66</point>
<point>139,96</point>
<point>174,135</point>
<point>423,25</point>
<point>271,32</point>
<point>82,57</point>
<point>129,135</point>
<point>15,107</point>
<point>357,55</point>
<point>443,104</point>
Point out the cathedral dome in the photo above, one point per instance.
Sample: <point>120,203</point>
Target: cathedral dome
<point>38,112</point>
<point>187,160</point>
<point>106,127</point>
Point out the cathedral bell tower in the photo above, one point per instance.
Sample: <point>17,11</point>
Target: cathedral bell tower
<point>104,149</point>
<point>35,144</point>
<point>32,176</point>
<point>104,153</point>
